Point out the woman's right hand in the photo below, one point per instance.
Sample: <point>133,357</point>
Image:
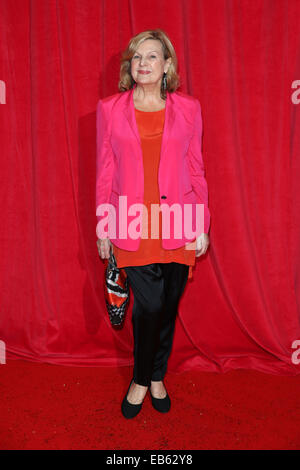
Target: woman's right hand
<point>104,245</point>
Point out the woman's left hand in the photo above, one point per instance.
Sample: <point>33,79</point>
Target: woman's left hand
<point>202,243</point>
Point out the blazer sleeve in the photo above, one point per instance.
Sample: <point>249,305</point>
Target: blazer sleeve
<point>196,166</point>
<point>104,158</point>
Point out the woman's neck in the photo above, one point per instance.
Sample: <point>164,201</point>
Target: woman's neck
<point>148,101</point>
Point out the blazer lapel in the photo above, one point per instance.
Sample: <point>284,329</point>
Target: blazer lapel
<point>130,113</point>
<point>170,114</point>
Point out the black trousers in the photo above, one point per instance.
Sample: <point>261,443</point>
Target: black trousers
<point>157,289</point>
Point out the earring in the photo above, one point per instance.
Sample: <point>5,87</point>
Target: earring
<point>165,81</point>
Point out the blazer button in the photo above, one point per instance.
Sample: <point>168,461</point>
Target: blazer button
<point>164,197</point>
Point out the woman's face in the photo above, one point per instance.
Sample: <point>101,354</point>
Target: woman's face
<point>148,63</point>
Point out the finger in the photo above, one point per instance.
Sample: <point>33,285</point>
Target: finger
<point>199,252</point>
<point>204,250</point>
<point>206,246</point>
<point>199,245</point>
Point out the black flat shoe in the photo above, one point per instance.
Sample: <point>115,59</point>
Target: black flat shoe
<point>162,405</point>
<point>128,409</point>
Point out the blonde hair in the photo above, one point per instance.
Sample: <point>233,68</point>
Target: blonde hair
<point>126,81</point>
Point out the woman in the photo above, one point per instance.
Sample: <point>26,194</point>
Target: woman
<point>149,154</point>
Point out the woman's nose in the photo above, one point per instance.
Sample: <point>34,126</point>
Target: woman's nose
<point>143,61</point>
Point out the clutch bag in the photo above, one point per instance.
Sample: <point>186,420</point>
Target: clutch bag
<point>116,291</point>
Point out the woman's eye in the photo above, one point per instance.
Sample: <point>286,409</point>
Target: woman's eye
<point>136,56</point>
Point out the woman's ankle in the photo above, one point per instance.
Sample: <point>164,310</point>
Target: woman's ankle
<point>139,385</point>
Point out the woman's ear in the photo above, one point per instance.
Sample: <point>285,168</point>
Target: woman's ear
<point>168,61</point>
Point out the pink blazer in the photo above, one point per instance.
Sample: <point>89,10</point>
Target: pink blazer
<point>119,167</point>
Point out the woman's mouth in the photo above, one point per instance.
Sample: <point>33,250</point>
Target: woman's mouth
<point>144,72</point>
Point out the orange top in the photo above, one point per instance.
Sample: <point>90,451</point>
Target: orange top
<point>150,126</point>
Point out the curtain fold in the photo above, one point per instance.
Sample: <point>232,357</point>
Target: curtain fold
<point>240,59</point>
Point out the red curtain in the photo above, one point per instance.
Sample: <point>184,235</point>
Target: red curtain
<point>240,59</point>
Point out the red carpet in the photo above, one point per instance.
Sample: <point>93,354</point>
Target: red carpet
<point>55,407</point>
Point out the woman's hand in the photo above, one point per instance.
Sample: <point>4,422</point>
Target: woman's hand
<point>104,245</point>
<point>202,243</point>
